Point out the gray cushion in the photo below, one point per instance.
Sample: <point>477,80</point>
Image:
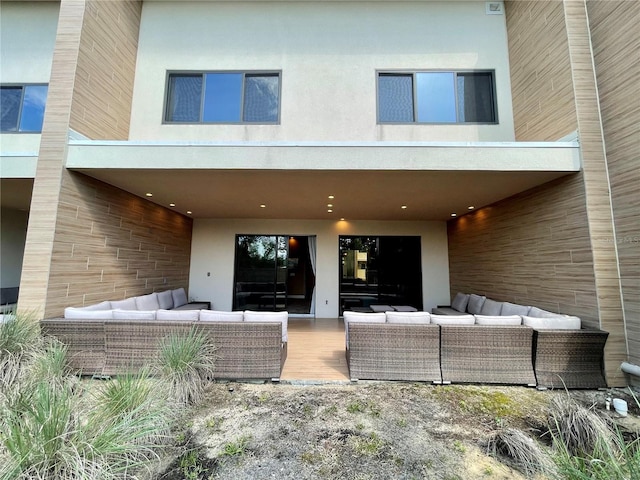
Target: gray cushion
<point>165,300</point>
<point>404,308</point>
<point>460,302</point>
<point>99,306</point>
<point>514,309</point>
<point>350,316</point>
<point>445,311</point>
<point>193,306</point>
<point>408,317</point>
<point>491,307</point>
<point>134,315</point>
<point>475,303</point>
<point>190,315</point>
<point>538,312</point>
<point>85,313</point>
<point>126,304</point>
<point>218,316</point>
<point>179,297</point>
<point>559,322</point>
<point>147,302</point>
<point>498,320</point>
<point>381,308</point>
<point>453,319</point>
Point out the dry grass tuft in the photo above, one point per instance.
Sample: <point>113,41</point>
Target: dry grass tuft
<point>580,429</point>
<point>527,455</point>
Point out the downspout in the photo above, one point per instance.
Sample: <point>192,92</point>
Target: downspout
<point>630,368</point>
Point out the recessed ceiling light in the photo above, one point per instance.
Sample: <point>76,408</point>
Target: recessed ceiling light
<point>329,211</point>
<point>149,194</point>
<point>404,207</point>
<point>331,197</point>
<point>189,212</point>
<point>329,205</point>
<point>342,219</point>
<point>470,207</point>
<point>454,214</point>
<point>262,205</point>
<point>172,204</point>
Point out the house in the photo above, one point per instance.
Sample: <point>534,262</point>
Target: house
<point>244,149</point>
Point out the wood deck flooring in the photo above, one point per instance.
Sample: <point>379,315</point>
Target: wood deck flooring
<point>316,350</point>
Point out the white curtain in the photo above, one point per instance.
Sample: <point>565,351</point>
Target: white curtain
<point>312,257</point>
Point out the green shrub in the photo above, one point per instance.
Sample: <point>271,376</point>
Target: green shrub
<point>233,449</point>
<point>185,363</point>
<point>125,394</point>
<point>587,447</point>
<point>19,340</point>
<point>19,334</point>
<point>50,428</point>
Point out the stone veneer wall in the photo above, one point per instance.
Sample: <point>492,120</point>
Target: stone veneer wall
<point>615,41</point>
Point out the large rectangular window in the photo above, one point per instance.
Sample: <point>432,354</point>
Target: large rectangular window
<point>380,270</point>
<point>275,272</point>
<point>436,97</point>
<point>22,108</point>
<point>223,97</point>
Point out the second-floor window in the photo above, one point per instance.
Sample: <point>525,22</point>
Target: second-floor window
<point>22,108</point>
<point>223,97</point>
<point>436,97</point>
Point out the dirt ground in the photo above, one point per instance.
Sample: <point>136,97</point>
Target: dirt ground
<point>360,431</point>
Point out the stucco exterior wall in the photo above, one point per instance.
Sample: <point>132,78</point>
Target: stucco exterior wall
<point>328,53</point>
<point>213,250</point>
<point>27,39</point>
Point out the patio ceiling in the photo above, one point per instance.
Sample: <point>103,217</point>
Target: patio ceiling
<point>294,180</point>
<point>15,193</point>
<point>297,194</point>
<point>368,180</point>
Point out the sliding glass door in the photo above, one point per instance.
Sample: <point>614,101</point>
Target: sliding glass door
<point>274,272</point>
<point>380,270</point>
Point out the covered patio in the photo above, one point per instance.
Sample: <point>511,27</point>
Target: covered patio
<point>315,351</point>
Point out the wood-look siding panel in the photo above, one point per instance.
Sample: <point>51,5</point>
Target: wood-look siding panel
<point>597,188</point>
<point>615,43</point>
<point>541,83</point>
<point>106,68</point>
<point>535,249</point>
<point>39,245</point>
<point>110,255</point>
<point>528,249</point>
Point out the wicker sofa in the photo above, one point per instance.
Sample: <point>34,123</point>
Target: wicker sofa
<point>167,300</point>
<point>250,345</point>
<point>418,346</point>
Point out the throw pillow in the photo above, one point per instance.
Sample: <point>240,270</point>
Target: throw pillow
<point>475,303</point>
<point>460,302</point>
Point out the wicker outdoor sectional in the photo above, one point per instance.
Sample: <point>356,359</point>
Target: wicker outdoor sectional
<point>472,353</point>
<point>245,349</point>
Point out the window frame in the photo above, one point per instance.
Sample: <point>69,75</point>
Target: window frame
<point>456,72</point>
<point>23,87</point>
<point>203,73</point>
